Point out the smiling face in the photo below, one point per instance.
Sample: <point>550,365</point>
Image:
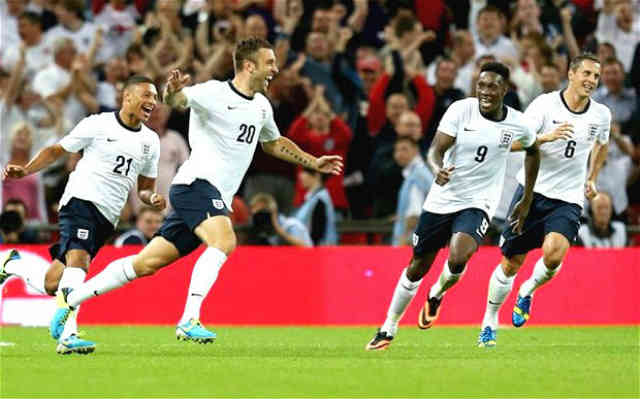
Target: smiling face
<point>140,100</point>
<point>262,70</point>
<point>490,91</point>
<point>583,79</point>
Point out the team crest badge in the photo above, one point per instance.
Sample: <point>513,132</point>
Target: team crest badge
<point>218,204</point>
<point>146,149</point>
<point>415,239</point>
<point>505,139</point>
<point>83,234</point>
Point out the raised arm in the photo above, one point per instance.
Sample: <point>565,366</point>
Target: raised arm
<point>173,95</point>
<point>287,150</point>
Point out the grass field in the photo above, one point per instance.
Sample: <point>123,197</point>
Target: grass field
<point>312,362</point>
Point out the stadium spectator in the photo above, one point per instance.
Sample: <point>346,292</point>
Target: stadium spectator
<point>28,234</point>
<point>270,227</point>
<point>71,24</point>
<point>37,51</point>
<point>415,186</point>
<point>319,131</point>
<point>10,227</point>
<point>148,222</point>
<point>318,67</point>
<point>30,189</point>
<point>116,71</point>
<point>446,93</point>
<point>118,21</point>
<point>618,25</point>
<point>10,11</point>
<point>68,79</point>
<point>550,79</point>
<point>317,212</point>
<point>463,53</point>
<point>600,231</point>
<point>385,176</point>
<point>488,34</point>
<point>621,100</point>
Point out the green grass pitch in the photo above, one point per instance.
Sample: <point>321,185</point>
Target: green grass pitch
<point>325,362</point>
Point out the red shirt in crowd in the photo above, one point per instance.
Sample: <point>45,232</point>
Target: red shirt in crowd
<point>335,142</point>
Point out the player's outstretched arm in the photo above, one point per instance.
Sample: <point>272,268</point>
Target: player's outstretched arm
<point>596,160</point>
<point>441,143</point>
<point>531,167</point>
<point>172,94</point>
<point>44,158</point>
<point>147,194</point>
<point>562,132</point>
<point>289,151</point>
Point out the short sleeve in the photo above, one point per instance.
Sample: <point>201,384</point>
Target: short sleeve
<point>452,119</point>
<point>528,134</point>
<point>80,137</point>
<point>197,92</point>
<point>150,168</point>
<point>536,113</point>
<point>605,127</point>
<point>270,130</point>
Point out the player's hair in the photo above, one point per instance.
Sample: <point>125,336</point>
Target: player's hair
<point>137,79</point>
<point>496,67</point>
<point>246,50</point>
<point>490,9</point>
<point>32,17</point>
<point>577,61</point>
<point>613,61</point>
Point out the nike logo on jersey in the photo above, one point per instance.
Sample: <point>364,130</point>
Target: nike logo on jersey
<point>466,129</point>
<point>112,140</point>
<point>230,107</point>
<point>557,122</point>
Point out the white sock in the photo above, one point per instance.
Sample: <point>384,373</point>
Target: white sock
<point>71,326</point>
<point>446,281</point>
<point>499,288</point>
<point>203,276</point>
<point>32,273</point>
<point>71,277</point>
<point>402,296</point>
<point>541,274</point>
<point>115,275</point>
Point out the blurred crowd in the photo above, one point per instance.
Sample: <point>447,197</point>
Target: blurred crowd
<point>365,79</point>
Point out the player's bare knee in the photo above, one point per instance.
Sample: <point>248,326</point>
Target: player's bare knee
<point>225,244</point>
<point>50,285</point>
<point>458,259</point>
<point>553,259</point>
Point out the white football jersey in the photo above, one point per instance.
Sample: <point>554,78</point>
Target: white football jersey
<point>563,164</point>
<point>479,156</point>
<point>224,129</point>
<point>114,155</point>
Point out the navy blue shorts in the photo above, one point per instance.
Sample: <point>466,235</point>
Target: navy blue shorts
<point>546,215</point>
<point>434,230</point>
<point>191,204</point>
<point>82,226</point>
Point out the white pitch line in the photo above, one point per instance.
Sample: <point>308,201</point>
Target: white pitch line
<point>7,343</point>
